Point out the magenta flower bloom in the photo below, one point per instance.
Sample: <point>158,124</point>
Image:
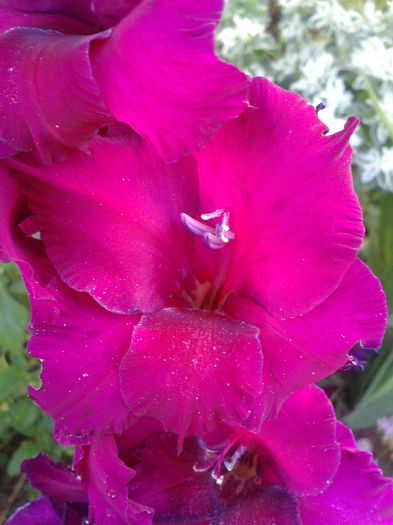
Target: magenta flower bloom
<point>223,316</point>
<point>299,468</point>
<point>68,67</point>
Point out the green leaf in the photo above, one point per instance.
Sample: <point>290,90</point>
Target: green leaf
<point>380,243</point>
<point>27,449</point>
<point>13,320</point>
<point>12,379</point>
<point>377,397</point>
<point>25,414</point>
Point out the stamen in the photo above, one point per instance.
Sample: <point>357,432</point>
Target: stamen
<point>214,238</point>
<point>213,215</point>
<point>233,461</point>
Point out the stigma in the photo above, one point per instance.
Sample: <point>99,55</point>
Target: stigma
<point>214,237</point>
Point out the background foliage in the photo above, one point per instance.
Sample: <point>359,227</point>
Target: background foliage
<point>336,52</point>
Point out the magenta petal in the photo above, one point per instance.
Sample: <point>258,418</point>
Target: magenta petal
<point>28,253</point>
<point>301,350</point>
<point>45,107</point>
<point>81,345</point>
<point>167,481</point>
<point>106,479</point>
<point>205,364</point>
<point>293,210</point>
<point>102,12</point>
<point>37,512</point>
<point>54,480</point>
<point>302,442</point>
<point>273,506</point>
<point>121,207</point>
<point>158,73</point>
<point>358,494</point>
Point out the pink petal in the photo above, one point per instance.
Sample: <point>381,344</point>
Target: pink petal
<point>274,506</point>
<point>102,12</point>
<point>158,73</point>
<point>81,345</point>
<point>54,480</point>
<point>106,479</point>
<point>167,482</point>
<point>23,13</point>
<point>121,207</point>
<point>293,210</point>
<point>40,511</point>
<point>179,494</point>
<point>27,252</point>
<point>302,442</point>
<point>205,364</point>
<point>358,494</point>
<point>47,108</point>
<point>301,350</point>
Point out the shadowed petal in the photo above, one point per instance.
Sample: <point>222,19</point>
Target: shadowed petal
<point>272,506</point>
<point>37,512</point>
<point>293,210</point>
<point>205,364</point>
<point>106,479</point>
<point>54,480</point>
<point>301,350</point>
<point>168,488</point>
<point>158,73</point>
<point>46,108</point>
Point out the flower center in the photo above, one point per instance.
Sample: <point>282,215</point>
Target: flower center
<point>210,294</point>
<point>214,237</point>
<point>236,473</point>
<point>241,472</point>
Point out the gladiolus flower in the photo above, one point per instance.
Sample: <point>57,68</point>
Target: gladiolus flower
<point>264,295</point>
<point>69,67</point>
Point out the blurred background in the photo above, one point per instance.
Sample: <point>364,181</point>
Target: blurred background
<point>340,53</point>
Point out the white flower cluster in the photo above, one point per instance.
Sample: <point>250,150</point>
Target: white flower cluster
<point>331,51</point>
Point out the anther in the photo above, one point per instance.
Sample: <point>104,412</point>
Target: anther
<point>214,238</point>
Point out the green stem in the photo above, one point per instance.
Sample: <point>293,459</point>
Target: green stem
<point>377,106</point>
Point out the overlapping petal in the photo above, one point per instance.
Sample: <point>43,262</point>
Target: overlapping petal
<point>26,251</point>
<point>288,189</point>
<point>121,208</point>
<point>37,512</point>
<point>302,441</point>
<point>44,107</point>
<point>158,73</point>
<point>359,493</point>
<point>81,346</point>
<point>301,350</point>
<point>299,455</point>
<point>54,480</point>
<point>143,45</point>
<point>106,478</point>
<point>64,501</point>
<point>205,364</point>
